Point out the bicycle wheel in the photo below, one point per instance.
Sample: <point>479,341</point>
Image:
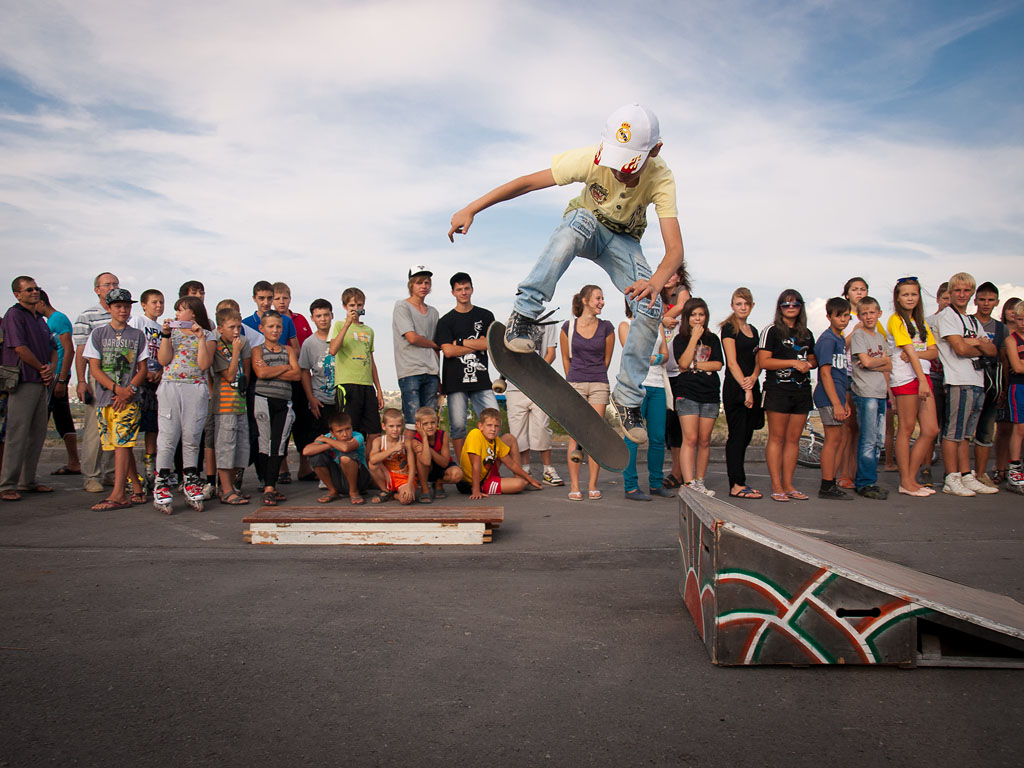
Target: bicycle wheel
<point>810,450</point>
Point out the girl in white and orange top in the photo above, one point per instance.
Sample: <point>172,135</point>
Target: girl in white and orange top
<point>914,349</point>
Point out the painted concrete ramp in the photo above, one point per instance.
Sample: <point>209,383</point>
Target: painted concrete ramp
<point>762,593</point>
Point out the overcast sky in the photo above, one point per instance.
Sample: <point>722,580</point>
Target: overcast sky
<point>328,143</point>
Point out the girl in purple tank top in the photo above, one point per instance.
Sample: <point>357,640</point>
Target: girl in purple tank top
<point>587,343</point>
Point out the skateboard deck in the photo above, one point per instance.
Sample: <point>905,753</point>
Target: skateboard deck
<point>556,397</point>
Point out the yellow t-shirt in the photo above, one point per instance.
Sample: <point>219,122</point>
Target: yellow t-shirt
<point>489,452</point>
<point>902,371</point>
<point>620,208</point>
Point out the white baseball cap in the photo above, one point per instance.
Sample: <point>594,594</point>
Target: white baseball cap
<point>419,269</point>
<point>629,135</point>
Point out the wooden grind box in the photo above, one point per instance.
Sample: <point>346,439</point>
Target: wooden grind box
<point>366,524</point>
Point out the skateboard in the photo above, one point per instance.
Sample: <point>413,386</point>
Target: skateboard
<point>556,397</point>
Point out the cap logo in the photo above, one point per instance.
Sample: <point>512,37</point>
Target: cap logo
<point>597,157</point>
<point>632,165</point>
<point>623,135</point>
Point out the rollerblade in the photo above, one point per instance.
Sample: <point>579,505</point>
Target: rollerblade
<point>194,491</point>
<point>1015,479</point>
<point>162,495</point>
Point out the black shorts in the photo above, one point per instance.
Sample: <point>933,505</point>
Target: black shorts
<point>788,400</point>
<point>360,402</point>
<point>437,471</point>
<point>320,424</point>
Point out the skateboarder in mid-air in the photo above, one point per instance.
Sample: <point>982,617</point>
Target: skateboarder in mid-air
<point>623,175</point>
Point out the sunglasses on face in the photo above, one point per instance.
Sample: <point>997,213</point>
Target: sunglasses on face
<point>906,280</point>
<point>791,304</point>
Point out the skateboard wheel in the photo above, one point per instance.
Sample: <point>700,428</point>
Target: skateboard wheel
<point>499,385</point>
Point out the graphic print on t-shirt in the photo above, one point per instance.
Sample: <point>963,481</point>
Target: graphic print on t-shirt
<point>800,350</point>
<point>472,364</point>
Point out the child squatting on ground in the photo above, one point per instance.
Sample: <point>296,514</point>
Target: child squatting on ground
<point>623,175</point>
<point>436,466</point>
<point>339,460</point>
<point>392,463</point>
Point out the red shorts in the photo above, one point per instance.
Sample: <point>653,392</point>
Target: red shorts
<point>911,387</point>
<point>489,486</point>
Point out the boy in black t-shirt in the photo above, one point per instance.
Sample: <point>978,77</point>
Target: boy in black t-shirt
<point>465,376</point>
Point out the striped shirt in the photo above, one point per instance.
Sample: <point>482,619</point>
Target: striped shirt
<point>87,322</point>
<point>279,388</point>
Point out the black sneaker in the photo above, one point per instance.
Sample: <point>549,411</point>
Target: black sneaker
<point>833,492</point>
<point>873,492</point>
<point>521,333</point>
<point>632,422</point>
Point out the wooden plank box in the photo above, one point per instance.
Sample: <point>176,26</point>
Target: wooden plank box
<point>371,525</point>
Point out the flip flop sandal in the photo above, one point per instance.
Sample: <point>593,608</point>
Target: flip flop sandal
<point>575,496</point>
<point>10,496</point>
<point>440,493</point>
<point>424,498</point>
<point>65,471</point>
<point>746,493</point>
<point>356,500</point>
<point>671,482</point>
<point>269,500</point>
<point>36,489</point>
<point>108,504</point>
<point>278,496</point>
<point>137,498</point>
<point>328,498</point>
<point>798,495</point>
<point>594,495</point>
<point>234,498</point>
<point>780,497</point>
<point>382,498</point>
<point>845,482</point>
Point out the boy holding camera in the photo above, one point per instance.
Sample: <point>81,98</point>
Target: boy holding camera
<point>962,343</point>
<point>355,371</point>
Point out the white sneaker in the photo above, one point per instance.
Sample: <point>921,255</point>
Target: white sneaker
<point>954,486</point>
<point>208,491</point>
<point>974,484</point>
<point>551,477</point>
<point>322,485</point>
<point>699,487</point>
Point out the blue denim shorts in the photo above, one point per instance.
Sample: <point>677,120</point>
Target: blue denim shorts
<point>687,407</point>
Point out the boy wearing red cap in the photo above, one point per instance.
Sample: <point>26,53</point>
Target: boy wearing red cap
<point>622,176</point>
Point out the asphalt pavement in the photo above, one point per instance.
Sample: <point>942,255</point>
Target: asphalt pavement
<point>130,638</point>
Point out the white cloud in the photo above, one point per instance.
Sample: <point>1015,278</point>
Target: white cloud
<point>328,144</point>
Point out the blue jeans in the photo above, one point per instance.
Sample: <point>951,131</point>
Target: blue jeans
<point>457,408</point>
<point>655,414</point>
<point>871,422</point>
<point>580,234</point>
<point>417,391</point>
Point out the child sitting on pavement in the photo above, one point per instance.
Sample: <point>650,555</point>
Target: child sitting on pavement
<point>339,460</point>
<point>392,461</point>
<point>482,455</point>
<point>436,466</point>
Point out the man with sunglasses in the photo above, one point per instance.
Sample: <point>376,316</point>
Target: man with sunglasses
<point>28,346</point>
<point>962,343</point>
